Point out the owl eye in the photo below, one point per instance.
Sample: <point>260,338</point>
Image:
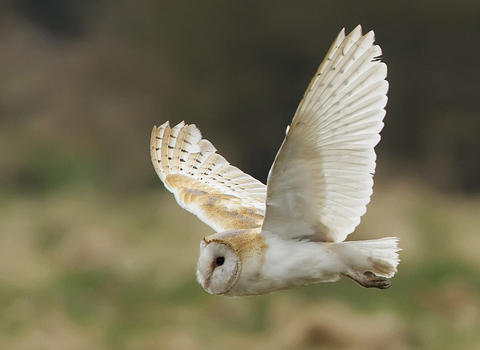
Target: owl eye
<point>219,261</point>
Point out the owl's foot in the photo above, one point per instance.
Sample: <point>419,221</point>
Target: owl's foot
<point>369,280</point>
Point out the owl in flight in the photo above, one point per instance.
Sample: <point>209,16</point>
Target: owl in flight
<point>291,232</point>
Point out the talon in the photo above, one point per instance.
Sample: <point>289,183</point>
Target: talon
<point>370,280</point>
<point>374,281</point>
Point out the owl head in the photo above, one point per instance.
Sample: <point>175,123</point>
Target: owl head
<point>228,258</point>
<point>218,266</point>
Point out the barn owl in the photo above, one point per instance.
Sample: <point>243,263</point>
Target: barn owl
<point>291,231</point>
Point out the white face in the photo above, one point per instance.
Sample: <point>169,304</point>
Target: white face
<point>218,267</point>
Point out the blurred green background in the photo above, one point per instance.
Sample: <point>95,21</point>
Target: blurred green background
<point>95,254</point>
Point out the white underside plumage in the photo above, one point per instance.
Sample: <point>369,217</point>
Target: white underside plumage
<point>290,265</point>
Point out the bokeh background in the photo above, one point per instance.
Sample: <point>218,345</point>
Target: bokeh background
<point>95,254</point>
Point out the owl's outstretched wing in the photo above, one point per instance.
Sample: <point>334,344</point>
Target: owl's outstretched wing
<point>203,182</point>
<point>322,177</point>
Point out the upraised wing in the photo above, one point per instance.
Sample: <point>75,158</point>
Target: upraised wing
<point>322,177</point>
<point>203,182</point>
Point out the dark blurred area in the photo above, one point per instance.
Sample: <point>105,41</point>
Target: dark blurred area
<point>83,82</point>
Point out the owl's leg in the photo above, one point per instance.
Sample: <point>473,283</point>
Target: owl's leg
<point>369,279</point>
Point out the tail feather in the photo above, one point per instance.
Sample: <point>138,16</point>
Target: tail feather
<point>379,256</point>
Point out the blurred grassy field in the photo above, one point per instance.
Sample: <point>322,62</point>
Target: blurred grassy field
<point>88,269</point>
